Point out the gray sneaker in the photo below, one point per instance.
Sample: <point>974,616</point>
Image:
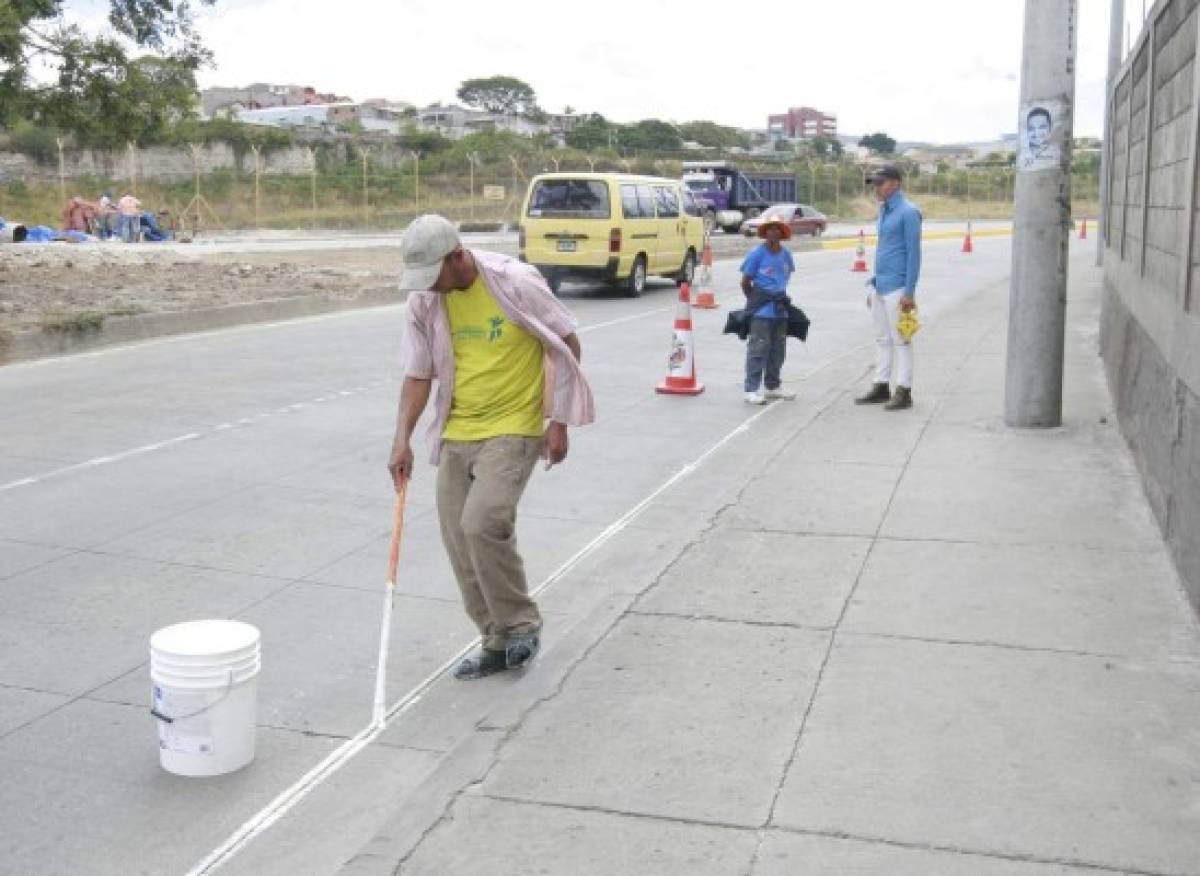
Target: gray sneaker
<point>481,664</point>
<point>521,650</point>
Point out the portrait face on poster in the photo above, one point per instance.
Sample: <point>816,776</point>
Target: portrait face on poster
<point>1041,135</point>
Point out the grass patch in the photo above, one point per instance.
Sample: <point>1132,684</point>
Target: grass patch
<point>72,323</point>
<point>126,310</point>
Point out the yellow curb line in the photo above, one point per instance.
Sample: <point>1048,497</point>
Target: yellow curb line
<point>871,239</point>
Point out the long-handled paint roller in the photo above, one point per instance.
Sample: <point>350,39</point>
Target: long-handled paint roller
<point>385,632</point>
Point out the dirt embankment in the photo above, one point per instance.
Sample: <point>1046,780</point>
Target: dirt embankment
<point>68,287</point>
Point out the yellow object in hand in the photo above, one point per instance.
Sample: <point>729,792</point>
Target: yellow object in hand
<point>907,324</point>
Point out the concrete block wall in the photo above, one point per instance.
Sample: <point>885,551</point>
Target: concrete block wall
<point>1150,326</point>
<point>175,163</point>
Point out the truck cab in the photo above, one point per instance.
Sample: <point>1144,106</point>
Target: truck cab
<point>728,195</point>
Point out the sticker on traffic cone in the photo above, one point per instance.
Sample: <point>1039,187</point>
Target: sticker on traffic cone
<point>967,245</point>
<point>705,298</point>
<point>1083,229</point>
<point>681,364</point>
<point>860,253</point>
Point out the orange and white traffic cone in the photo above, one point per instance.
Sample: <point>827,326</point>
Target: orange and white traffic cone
<point>967,245</point>
<point>681,364</point>
<point>705,299</point>
<point>860,253</point>
<point>1083,229</point>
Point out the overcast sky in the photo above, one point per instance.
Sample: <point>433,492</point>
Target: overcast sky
<point>939,70</point>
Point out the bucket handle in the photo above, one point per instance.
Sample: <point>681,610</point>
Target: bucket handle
<point>167,719</point>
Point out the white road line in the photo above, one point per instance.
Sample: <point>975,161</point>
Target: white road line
<point>630,318</point>
<point>340,756</point>
<point>222,427</point>
<point>292,796</point>
<point>100,460</point>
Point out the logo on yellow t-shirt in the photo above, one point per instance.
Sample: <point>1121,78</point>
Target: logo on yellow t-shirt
<point>498,379</point>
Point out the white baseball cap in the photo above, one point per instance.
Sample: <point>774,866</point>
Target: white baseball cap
<point>427,241</point>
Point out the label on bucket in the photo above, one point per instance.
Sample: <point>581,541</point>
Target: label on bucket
<point>189,732</point>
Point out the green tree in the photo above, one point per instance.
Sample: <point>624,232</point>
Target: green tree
<point>93,77</point>
<point>498,94</point>
<point>491,147</point>
<point>879,142</point>
<point>141,101</point>
<point>425,142</point>
<point>713,135</point>
<point>593,133</point>
<point>651,135</point>
<point>1085,163</point>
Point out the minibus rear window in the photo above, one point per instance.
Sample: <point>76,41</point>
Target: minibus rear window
<point>583,198</point>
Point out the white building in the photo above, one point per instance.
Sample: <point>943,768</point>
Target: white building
<point>304,116</point>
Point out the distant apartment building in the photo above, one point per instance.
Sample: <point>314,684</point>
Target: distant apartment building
<point>317,115</point>
<point>456,122</point>
<point>261,95</point>
<point>929,158</point>
<point>326,117</point>
<point>802,123</point>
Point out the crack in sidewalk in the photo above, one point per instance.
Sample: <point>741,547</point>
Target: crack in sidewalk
<point>833,638</point>
<point>446,816</point>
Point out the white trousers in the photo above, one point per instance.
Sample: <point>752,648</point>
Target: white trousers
<point>885,310</point>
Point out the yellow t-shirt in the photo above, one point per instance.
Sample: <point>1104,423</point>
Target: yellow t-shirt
<point>498,380</point>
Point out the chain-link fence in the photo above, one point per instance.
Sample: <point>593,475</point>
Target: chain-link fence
<point>369,194</point>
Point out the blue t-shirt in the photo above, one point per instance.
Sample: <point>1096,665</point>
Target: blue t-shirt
<point>769,272</point>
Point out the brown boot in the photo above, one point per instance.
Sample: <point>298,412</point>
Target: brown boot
<point>878,395</point>
<point>901,400</point>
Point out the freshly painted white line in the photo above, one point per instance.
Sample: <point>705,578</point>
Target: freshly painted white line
<point>340,756</point>
<point>290,797</point>
<point>100,460</point>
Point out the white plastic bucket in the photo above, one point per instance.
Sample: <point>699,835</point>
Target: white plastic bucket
<point>205,695</point>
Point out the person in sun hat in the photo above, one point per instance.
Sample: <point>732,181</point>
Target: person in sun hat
<point>505,356</point>
<point>765,274</point>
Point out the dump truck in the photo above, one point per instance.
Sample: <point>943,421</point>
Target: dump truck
<point>729,195</point>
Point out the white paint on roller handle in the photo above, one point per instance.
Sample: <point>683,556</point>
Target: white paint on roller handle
<point>379,710</point>
<point>292,796</point>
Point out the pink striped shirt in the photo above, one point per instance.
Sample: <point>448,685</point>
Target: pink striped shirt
<point>525,298</point>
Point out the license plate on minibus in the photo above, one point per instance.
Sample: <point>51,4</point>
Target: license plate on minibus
<point>566,246</point>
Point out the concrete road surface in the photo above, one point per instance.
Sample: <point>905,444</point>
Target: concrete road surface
<point>241,474</point>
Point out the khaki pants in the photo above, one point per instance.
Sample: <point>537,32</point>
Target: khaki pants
<point>479,484</point>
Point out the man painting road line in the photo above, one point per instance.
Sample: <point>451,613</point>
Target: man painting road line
<point>505,355</point>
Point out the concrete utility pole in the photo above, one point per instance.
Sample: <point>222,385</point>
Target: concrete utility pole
<point>1114,63</point>
<point>1042,219</point>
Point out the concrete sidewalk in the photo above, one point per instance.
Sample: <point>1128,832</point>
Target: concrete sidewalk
<point>868,643</point>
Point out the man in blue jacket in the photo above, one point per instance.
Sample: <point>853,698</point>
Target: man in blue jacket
<point>897,269</point>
